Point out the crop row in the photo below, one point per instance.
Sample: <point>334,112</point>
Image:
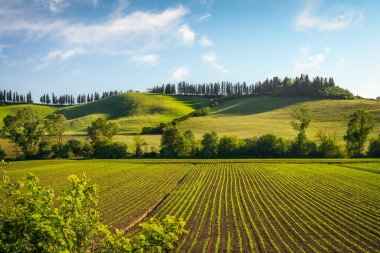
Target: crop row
<point>275,208</point>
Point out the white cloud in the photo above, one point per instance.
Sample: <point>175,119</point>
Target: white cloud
<point>54,6</point>
<point>204,17</point>
<point>341,18</point>
<point>180,73</point>
<point>307,61</point>
<point>146,59</point>
<point>63,55</point>
<point>212,60</point>
<point>121,29</point>
<point>206,42</point>
<point>187,35</point>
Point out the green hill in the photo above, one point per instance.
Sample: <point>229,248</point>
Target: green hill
<point>255,116</point>
<point>131,111</point>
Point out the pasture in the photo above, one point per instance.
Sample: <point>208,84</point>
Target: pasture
<point>237,205</point>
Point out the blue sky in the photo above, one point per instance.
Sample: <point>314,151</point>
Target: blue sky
<point>81,46</point>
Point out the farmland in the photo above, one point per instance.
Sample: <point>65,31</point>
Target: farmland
<point>238,206</point>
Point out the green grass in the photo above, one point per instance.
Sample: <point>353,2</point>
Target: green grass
<point>42,110</point>
<point>257,116</point>
<point>243,205</point>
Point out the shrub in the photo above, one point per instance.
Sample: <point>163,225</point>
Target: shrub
<point>78,148</point>
<point>302,147</point>
<point>328,148</point>
<point>204,111</point>
<point>229,146</point>
<point>49,149</point>
<point>209,145</point>
<point>270,145</point>
<point>106,149</point>
<point>2,154</point>
<point>374,147</point>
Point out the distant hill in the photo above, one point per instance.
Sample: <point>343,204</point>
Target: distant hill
<point>255,116</point>
<point>131,111</point>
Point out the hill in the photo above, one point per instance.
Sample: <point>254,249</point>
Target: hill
<point>255,116</point>
<point>131,111</point>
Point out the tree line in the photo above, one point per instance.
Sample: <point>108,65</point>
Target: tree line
<point>317,87</point>
<point>15,97</point>
<point>69,99</point>
<point>35,137</point>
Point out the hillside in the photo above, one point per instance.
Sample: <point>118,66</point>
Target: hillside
<point>131,111</point>
<point>256,116</point>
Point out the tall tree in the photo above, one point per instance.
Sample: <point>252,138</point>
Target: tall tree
<point>359,127</point>
<point>100,129</point>
<point>56,124</point>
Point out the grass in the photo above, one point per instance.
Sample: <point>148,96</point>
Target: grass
<point>257,116</point>
<point>244,205</point>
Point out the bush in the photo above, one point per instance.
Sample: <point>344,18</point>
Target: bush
<point>77,148</point>
<point>2,154</point>
<point>106,149</point>
<point>302,147</point>
<point>49,149</point>
<point>204,111</point>
<point>229,146</point>
<point>374,147</point>
<point>328,148</point>
<point>270,145</point>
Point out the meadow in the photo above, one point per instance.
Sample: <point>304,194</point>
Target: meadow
<point>294,205</point>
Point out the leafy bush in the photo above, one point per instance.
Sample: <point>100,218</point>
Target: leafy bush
<point>374,147</point>
<point>106,149</point>
<point>77,148</point>
<point>204,111</point>
<point>328,147</point>
<point>270,145</point>
<point>49,149</point>
<point>2,154</point>
<point>33,219</point>
<point>302,147</point>
<point>229,146</point>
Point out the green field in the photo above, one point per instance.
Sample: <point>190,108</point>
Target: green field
<point>131,111</point>
<point>256,116</point>
<point>237,206</point>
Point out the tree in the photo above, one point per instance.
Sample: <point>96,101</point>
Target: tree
<point>209,144</point>
<point>3,154</point>
<point>141,146</point>
<point>175,144</point>
<point>328,147</point>
<point>33,219</point>
<point>270,145</point>
<point>56,124</point>
<point>25,129</point>
<point>359,127</point>
<point>374,147</point>
<point>229,146</point>
<point>301,117</point>
<point>101,128</point>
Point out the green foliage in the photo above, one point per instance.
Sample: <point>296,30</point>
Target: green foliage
<point>359,127</point>
<point>174,143</point>
<point>77,148</point>
<point>105,148</point>
<point>2,154</point>
<point>336,92</point>
<point>25,129</point>
<point>302,147</point>
<point>328,147</point>
<point>32,219</point>
<point>49,149</point>
<point>56,124</point>
<point>301,117</point>
<point>374,147</point>
<point>204,111</point>
<point>101,128</point>
<point>210,143</point>
<point>270,145</point>
<point>141,146</point>
<point>229,146</point>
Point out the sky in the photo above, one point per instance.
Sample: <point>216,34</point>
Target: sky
<point>81,46</point>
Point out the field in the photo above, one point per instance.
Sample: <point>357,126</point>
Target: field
<point>257,116</point>
<point>131,111</point>
<point>240,205</point>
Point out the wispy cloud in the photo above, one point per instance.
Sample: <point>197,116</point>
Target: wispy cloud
<point>307,61</point>
<point>63,55</point>
<point>340,17</point>
<point>54,6</point>
<point>206,42</point>
<point>187,35</point>
<point>204,17</point>
<point>180,73</point>
<point>150,59</point>
<point>211,59</point>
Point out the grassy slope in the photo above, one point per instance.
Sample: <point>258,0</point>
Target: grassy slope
<point>42,110</point>
<point>260,115</point>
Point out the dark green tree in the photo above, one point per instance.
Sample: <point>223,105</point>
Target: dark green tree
<point>209,144</point>
<point>101,129</point>
<point>374,147</point>
<point>24,129</point>
<point>229,146</point>
<point>359,127</point>
<point>175,144</point>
